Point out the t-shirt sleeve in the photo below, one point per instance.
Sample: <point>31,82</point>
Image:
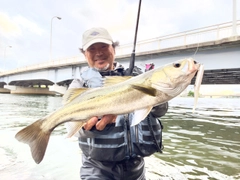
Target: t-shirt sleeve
<point>76,83</point>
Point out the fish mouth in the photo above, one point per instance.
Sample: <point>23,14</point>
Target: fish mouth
<point>193,66</point>
<point>189,68</point>
<point>197,69</point>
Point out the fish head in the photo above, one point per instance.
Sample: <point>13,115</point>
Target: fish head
<point>173,78</point>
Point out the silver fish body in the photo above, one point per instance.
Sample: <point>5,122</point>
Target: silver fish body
<point>120,95</point>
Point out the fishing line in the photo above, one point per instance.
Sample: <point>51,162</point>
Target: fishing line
<point>196,50</point>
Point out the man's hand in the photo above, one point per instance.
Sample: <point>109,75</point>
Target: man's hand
<point>100,125</point>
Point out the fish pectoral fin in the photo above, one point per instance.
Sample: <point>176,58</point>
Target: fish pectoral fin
<point>140,115</point>
<point>73,127</point>
<point>72,94</point>
<point>145,89</point>
<point>36,138</point>
<point>111,80</point>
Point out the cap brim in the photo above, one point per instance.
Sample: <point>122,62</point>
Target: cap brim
<point>97,40</point>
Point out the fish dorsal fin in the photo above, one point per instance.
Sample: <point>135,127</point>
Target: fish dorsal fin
<point>140,115</point>
<point>111,80</point>
<point>145,89</point>
<point>72,94</point>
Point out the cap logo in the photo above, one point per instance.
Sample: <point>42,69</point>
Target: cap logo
<point>94,33</point>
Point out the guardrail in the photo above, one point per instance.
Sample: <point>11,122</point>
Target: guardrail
<point>48,64</point>
<point>210,33</point>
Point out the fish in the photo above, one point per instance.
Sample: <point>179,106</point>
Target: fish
<point>119,95</point>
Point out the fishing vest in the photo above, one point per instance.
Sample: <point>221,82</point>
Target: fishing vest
<point>119,141</point>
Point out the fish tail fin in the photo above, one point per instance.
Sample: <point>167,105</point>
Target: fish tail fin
<point>35,138</point>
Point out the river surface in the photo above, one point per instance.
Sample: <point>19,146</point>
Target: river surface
<point>200,145</point>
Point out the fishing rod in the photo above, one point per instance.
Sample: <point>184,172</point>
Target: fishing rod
<point>129,72</point>
<point>132,60</point>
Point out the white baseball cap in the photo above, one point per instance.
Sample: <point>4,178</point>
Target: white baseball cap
<point>95,35</point>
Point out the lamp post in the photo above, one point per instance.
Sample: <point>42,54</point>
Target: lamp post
<point>59,18</point>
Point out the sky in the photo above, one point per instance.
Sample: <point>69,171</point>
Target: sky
<point>25,26</point>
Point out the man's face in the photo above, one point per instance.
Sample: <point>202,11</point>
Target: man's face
<point>100,56</point>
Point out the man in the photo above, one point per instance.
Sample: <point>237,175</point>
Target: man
<point>112,149</point>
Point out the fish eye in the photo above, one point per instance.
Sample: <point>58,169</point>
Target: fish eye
<point>176,65</point>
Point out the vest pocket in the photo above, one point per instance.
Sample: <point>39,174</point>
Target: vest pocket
<point>106,145</point>
<point>144,144</point>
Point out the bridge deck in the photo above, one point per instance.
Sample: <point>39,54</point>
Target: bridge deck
<point>207,41</point>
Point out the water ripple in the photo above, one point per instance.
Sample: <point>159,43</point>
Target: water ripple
<point>200,145</point>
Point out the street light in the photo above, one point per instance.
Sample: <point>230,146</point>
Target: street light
<point>59,18</point>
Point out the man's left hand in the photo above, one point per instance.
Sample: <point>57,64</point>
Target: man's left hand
<point>100,124</point>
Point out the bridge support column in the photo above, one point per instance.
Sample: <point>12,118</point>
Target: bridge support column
<point>28,90</point>
<point>10,87</point>
<point>4,90</point>
<point>58,89</point>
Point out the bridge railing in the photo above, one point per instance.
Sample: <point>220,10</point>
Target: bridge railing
<point>210,33</point>
<point>48,64</point>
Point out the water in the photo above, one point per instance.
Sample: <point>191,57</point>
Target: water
<point>201,145</point>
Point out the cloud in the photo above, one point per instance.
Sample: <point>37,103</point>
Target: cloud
<point>118,17</point>
<point>8,28</point>
<point>27,25</point>
<point>17,29</point>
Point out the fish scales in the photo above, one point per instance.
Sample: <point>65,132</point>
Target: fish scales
<point>120,95</point>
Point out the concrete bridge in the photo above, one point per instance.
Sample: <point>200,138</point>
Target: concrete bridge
<point>217,47</point>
